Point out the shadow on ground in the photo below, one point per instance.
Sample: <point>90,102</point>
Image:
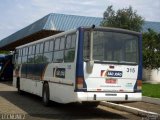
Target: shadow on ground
<point>33,106</point>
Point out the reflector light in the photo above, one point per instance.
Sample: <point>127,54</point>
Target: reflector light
<point>79,82</point>
<point>139,84</point>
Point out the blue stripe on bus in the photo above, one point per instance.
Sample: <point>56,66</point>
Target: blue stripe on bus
<point>139,76</point>
<point>79,64</point>
<point>33,71</point>
<point>140,65</point>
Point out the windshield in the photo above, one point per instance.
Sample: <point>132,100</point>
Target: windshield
<point>111,47</point>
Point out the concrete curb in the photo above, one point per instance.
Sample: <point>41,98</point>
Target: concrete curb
<point>132,110</point>
<point>151,100</point>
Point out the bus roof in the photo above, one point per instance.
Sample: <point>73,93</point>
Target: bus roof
<point>82,27</point>
<point>47,38</point>
<point>115,29</point>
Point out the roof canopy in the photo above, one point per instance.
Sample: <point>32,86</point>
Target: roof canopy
<point>54,23</point>
<point>46,26</point>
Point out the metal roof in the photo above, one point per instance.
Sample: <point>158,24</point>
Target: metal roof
<point>54,22</point>
<point>57,22</point>
<point>62,22</point>
<point>152,25</point>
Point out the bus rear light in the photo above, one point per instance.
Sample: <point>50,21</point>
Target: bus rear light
<point>139,84</point>
<point>80,81</point>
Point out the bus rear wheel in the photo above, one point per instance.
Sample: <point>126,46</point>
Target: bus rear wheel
<point>45,94</point>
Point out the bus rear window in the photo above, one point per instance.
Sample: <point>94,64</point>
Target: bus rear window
<point>112,47</point>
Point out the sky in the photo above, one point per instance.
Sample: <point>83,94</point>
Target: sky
<point>17,14</point>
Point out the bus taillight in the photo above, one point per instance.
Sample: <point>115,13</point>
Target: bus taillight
<point>139,84</point>
<point>80,81</point>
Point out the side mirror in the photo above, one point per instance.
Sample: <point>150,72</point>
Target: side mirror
<point>89,66</point>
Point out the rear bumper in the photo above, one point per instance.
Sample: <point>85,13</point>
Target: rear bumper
<point>102,96</point>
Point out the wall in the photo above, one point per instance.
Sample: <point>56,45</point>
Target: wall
<point>152,76</point>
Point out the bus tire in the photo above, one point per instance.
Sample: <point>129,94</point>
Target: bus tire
<point>45,94</point>
<point>18,87</point>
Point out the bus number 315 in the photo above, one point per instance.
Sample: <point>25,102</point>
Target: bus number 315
<point>131,70</point>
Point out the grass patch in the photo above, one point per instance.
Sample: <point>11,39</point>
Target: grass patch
<point>151,90</point>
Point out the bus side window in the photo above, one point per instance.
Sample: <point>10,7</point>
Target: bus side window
<point>73,44</point>
<point>51,45</point>
<point>70,48</point>
<point>33,49</point>
<point>46,46</point>
<point>23,53</point>
<point>62,43</point>
<point>37,48</point>
<point>57,44</point>
<point>26,51</point>
<point>58,55</point>
<point>68,41</point>
<point>38,56</point>
<point>16,54</point>
<point>31,54</point>
<point>19,56</point>
<point>47,54</point>
<point>15,60</point>
<point>30,50</point>
<point>24,57</point>
<point>41,48</point>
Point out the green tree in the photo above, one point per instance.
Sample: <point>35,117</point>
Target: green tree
<point>122,18</point>
<point>129,19</point>
<point>151,49</point>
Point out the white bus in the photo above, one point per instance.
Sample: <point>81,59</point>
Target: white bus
<point>86,65</point>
